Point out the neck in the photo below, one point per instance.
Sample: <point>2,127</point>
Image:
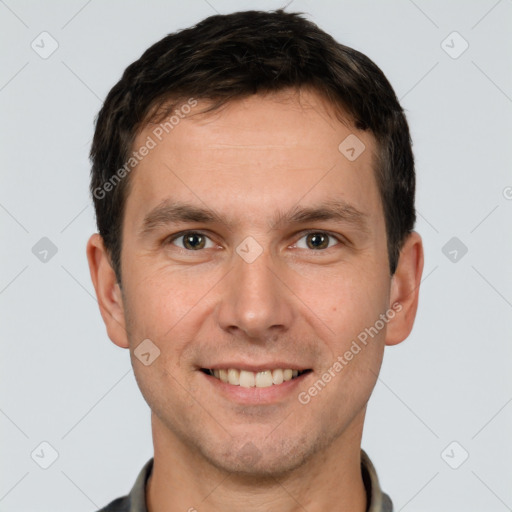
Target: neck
<point>182,480</point>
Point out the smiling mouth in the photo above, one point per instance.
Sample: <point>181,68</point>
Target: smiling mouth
<point>247,379</point>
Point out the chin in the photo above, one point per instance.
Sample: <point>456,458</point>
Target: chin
<point>264,459</point>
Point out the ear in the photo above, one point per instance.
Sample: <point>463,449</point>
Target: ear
<point>405,287</point>
<point>108,291</point>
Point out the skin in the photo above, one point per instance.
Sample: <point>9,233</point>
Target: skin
<point>293,303</point>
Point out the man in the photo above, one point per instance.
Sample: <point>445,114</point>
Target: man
<point>254,190</point>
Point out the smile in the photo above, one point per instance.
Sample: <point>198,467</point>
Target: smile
<point>260,379</point>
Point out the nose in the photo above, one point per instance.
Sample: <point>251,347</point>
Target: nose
<point>255,300</point>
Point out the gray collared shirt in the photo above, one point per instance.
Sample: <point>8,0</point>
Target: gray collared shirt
<point>378,501</point>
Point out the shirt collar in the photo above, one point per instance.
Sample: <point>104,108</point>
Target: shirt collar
<point>378,501</point>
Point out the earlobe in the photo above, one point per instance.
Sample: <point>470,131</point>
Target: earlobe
<point>405,289</point>
<point>107,290</point>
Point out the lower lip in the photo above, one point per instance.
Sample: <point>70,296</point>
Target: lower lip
<point>254,395</point>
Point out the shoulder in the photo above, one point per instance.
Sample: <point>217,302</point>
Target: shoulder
<point>118,505</point>
<point>135,501</point>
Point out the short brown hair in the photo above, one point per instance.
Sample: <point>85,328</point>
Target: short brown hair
<point>227,57</point>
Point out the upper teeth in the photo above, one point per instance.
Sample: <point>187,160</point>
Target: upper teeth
<point>261,379</point>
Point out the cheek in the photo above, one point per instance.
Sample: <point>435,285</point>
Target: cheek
<point>163,302</point>
<point>347,299</point>
<point>350,304</point>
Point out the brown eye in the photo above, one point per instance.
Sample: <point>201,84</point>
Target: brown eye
<point>190,241</point>
<point>194,241</point>
<point>318,240</point>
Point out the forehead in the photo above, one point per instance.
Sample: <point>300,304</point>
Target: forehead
<point>283,120</point>
<point>255,155</point>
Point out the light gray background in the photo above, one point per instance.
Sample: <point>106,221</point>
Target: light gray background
<point>65,383</point>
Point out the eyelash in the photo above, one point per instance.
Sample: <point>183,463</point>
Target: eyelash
<point>181,234</point>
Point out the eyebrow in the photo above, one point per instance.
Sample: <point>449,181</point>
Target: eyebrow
<point>171,212</point>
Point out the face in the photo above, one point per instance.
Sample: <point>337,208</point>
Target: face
<point>253,245</point>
